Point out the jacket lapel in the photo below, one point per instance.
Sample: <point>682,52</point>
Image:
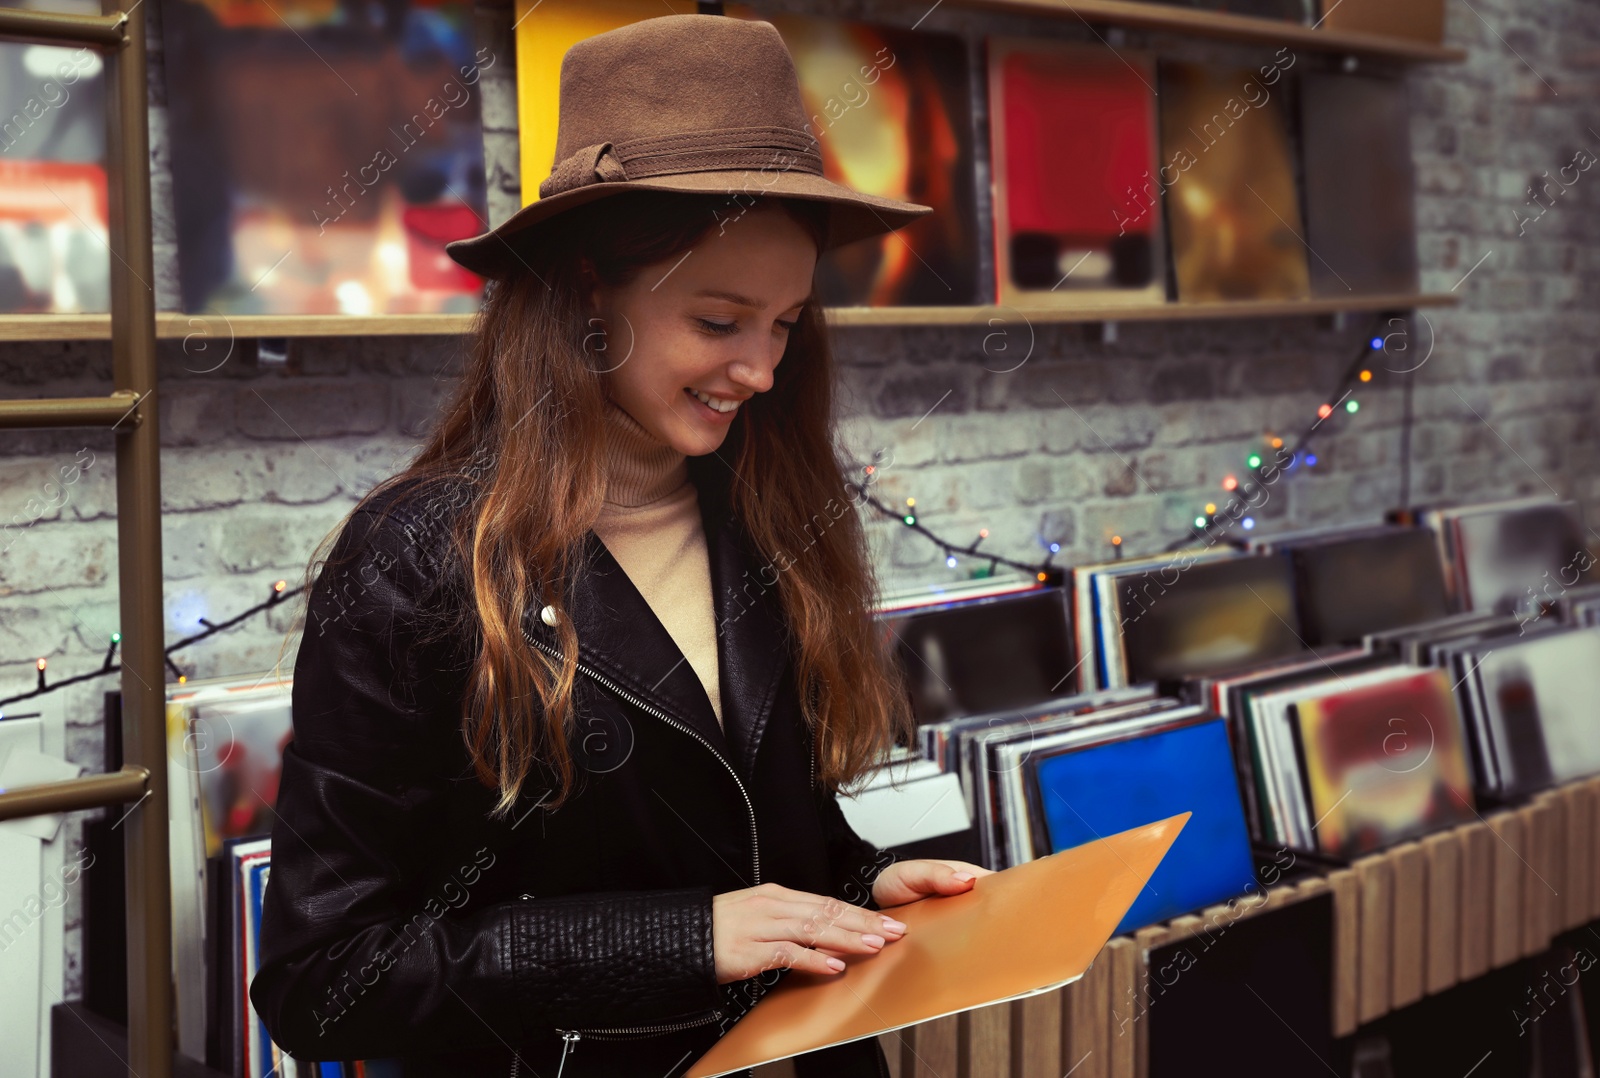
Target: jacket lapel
<point>620,637</point>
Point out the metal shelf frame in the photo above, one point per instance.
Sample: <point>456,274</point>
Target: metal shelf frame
<point>130,412</point>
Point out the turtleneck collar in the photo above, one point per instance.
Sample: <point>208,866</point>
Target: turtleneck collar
<point>639,469</point>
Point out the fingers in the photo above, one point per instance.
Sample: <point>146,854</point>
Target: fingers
<point>771,926</point>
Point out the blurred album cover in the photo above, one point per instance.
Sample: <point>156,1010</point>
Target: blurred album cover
<point>545,30</point>
<point>1384,761</point>
<point>1077,202</point>
<point>1360,221</point>
<point>54,228</point>
<point>1086,793</point>
<point>1230,188</point>
<point>323,153</point>
<point>983,655</point>
<point>1510,559</point>
<point>1212,616</point>
<point>892,113</point>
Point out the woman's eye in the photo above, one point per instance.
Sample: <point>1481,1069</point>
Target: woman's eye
<point>717,327</point>
<point>788,327</point>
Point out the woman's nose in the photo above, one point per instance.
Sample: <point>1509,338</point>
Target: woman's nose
<point>756,372</point>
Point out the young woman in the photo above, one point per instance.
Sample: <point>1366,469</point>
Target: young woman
<point>577,687</point>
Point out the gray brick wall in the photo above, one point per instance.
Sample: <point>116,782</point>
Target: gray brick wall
<point>1086,439</point>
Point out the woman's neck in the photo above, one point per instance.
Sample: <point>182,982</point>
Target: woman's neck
<point>639,469</point>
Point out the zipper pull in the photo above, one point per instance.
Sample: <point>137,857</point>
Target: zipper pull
<point>571,1037</point>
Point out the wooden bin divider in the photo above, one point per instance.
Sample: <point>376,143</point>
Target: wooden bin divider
<point>1376,882</point>
<point>1594,849</point>
<point>1537,888</point>
<point>1477,899</point>
<point>1346,950</point>
<point>1036,1035</point>
<point>1408,867</point>
<point>1579,851</point>
<point>1121,1050</point>
<point>984,1038</point>
<point>931,1049</point>
<point>1442,961</point>
<point>1147,939</point>
<point>1505,903</point>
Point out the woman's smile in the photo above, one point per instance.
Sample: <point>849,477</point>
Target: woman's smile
<point>711,408</point>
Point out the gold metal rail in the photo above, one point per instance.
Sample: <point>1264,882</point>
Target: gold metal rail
<point>127,411</point>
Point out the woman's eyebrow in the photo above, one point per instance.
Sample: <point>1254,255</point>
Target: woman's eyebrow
<point>741,299</point>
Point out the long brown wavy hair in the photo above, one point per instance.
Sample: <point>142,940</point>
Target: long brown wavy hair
<point>524,426</point>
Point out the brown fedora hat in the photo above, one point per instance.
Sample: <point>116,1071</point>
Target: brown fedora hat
<point>703,104</point>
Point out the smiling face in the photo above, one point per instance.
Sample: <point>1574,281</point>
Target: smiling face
<point>693,336</point>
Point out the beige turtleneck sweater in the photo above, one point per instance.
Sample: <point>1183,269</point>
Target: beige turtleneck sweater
<point>650,523</point>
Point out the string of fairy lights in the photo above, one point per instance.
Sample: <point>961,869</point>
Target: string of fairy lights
<point>280,591</point>
<point>1258,473</point>
<point>1262,466</point>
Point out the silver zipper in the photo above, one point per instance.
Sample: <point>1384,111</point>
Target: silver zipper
<point>755,844</point>
<point>573,1035</point>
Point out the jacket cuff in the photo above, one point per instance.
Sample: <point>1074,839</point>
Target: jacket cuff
<point>638,957</point>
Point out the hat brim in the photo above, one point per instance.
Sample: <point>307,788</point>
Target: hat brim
<point>856,216</point>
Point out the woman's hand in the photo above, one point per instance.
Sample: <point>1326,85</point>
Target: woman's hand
<point>772,926</point>
<point>907,881</point>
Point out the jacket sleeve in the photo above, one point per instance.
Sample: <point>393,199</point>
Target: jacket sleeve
<point>856,862</point>
<point>363,953</point>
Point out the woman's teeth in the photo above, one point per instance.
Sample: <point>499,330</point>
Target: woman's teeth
<point>711,402</point>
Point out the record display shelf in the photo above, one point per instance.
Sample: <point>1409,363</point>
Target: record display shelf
<point>1228,26</point>
<point>1410,922</point>
<point>175,326</point>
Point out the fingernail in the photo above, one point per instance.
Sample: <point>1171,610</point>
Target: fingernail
<point>963,876</point>
<point>835,963</point>
<point>872,940</point>
<point>891,925</point>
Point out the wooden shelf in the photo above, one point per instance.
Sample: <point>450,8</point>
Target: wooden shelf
<point>1155,312</point>
<point>170,326</point>
<point>1149,16</point>
<point>173,326</point>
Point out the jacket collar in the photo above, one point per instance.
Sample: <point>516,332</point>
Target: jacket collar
<point>620,636</point>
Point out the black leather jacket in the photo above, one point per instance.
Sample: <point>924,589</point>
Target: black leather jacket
<point>400,922</point>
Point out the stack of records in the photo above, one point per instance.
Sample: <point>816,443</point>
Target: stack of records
<point>225,739</point>
<point>1170,617</point>
<point>913,807</point>
<point>979,647</point>
<point>1051,778</point>
<point>1350,754</point>
<point>1580,605</point>
<point>1357,580</point>
<point>1529,700</point>
<point>1510,557</point>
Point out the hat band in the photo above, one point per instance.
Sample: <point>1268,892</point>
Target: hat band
<point>780,149</point>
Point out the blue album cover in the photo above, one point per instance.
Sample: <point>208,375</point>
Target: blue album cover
<point>1102,789</point>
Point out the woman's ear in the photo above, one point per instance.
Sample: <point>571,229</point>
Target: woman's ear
<point>589,290</point>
